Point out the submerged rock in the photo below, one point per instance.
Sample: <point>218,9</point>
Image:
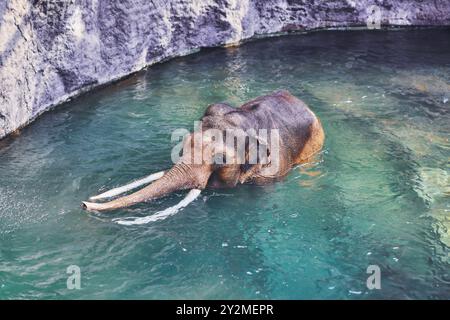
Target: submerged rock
<point>51,50</point>
<point>432,86</point>
<point>433,184</point>
<point>418,137</point>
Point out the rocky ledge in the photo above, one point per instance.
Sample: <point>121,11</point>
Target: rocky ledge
<point>52,50</point>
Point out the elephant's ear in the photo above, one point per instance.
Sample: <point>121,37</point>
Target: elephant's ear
<point>258,150</point>
<point>257,155</point>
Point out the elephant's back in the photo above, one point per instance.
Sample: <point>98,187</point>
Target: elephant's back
<point>280,109</point>
<point>299,128</point>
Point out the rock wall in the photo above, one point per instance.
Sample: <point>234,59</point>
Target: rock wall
<point>51,50</point>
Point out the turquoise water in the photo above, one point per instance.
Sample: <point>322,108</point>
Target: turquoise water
<point>378,194</point>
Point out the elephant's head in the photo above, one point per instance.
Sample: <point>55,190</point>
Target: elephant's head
<point>205,154</point>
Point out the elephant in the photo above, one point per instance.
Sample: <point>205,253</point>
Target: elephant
<point>299,137</point>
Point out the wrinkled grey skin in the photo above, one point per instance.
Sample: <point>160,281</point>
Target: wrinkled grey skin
<point>300,138</point>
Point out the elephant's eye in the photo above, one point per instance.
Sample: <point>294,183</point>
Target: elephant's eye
<point>263,154</point>
<point>219,158</point>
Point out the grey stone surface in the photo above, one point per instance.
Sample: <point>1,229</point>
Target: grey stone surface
<point>51,50</point>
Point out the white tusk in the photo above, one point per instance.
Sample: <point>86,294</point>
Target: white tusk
<point>161,215</point>
<point>116,191</point>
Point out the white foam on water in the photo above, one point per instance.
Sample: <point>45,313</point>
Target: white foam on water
<point>130,186</point>
<point>161,215</point>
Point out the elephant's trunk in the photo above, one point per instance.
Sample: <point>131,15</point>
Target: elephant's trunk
<point>180,177</point>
